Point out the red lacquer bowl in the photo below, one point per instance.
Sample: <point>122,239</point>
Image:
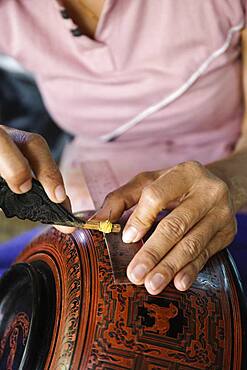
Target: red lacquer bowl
<point>91,322</point>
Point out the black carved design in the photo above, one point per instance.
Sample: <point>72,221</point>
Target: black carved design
<point>34,206</point>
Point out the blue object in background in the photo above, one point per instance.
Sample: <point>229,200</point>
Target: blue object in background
<point>12,248</point>
<point>238,249</point>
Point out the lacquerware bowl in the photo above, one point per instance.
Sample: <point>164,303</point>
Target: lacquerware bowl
<point>60,308</point>
<point>27,313</point>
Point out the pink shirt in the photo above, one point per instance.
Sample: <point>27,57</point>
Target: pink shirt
<point>165,73</point>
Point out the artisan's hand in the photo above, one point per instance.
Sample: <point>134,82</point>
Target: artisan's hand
<point>23,153</point>
<point>201,224</point>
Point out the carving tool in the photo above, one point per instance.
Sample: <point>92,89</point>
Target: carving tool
<point>36,206</point>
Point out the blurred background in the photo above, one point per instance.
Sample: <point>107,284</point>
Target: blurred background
<point>21,107</point>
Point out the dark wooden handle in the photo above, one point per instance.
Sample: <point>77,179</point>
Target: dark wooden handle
<point>35,206</point>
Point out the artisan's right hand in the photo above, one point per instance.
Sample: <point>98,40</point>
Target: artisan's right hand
<point>23,153</point>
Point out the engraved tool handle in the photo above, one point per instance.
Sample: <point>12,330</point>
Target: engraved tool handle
<point>35,206</point>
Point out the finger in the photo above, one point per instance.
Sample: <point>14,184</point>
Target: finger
<point>194,244</point>
<point>36,150</point>
<point>125,197</point>
<point>185,277</point>
<point>14,168</point>
<point>167,188</point>
<point>170,230</point>
<point>167,234</point>
<point>65,229</point>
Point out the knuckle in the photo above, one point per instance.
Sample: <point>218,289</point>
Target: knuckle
<point>194,269</point>
<point>110,197</point>
<point>191,247</point>
<point>173,228</point>
<point>221,188</point>
<point>18,176</point>
<point>227,235</point>
<point>35,139</point>
<point>227,213</point>
<point>169,268</point>
<point>151,195</point>
<point>153,255</point>
<point>51,175</point>
<point>194,166</point>
<point>217,189</point>
<point>138,221</point>
<point>144,177</point>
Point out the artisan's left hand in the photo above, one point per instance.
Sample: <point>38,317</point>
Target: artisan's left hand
<point>201,224</point>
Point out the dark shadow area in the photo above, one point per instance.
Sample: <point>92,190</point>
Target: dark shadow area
<point>238,249</point>
<point>21,107</point>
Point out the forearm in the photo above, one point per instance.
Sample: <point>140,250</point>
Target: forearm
<point>233,170</point>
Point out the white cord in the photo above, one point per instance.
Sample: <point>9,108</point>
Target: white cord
<point>11,65</point>
<point>176,94</point>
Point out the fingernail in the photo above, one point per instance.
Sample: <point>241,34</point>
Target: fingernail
<point>130,234</point>
<point>138,273</point>
<point>26,186</point>
<point>157,281</point>
<point>60,193</point>
<point>185,281</point>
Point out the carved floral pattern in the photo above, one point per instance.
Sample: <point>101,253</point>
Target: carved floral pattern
<point>104,325</point>
<point>17,328</point>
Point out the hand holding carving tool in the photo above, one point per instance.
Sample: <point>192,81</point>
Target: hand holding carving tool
<point>36,206</point>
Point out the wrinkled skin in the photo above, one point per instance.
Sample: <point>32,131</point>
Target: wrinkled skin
<point>201,223</point>
<point>23,154</point>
